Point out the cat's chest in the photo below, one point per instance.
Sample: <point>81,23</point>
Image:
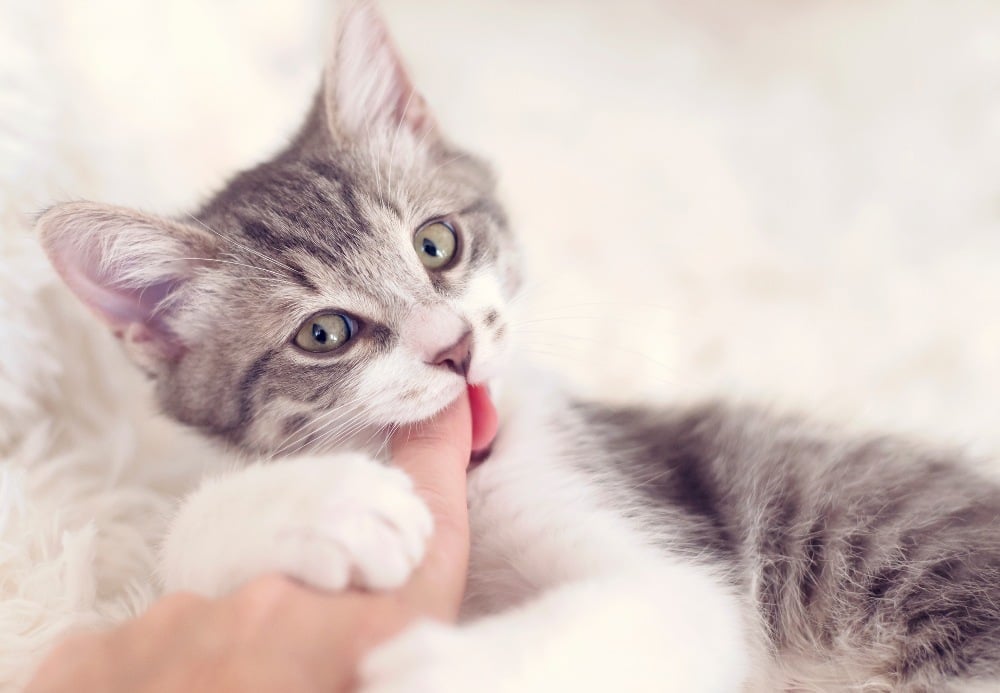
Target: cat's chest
<point>537,517</point>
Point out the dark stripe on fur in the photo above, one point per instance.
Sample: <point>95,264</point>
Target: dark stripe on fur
<point>883,552</point>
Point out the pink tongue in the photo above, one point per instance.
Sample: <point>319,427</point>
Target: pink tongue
<point>484,418</point>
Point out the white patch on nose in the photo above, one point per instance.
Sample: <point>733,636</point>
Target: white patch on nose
<point>429,330</point>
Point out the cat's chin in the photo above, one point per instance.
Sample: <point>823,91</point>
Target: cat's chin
<point>485,421</point>
<point>481,373</point>
<point>430,404</point>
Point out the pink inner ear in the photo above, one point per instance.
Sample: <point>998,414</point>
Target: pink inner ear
<point>137,305</point>
<point>118,306</point>
<point>412,110</point>
<point>371,82</point>
<point>126,266</point>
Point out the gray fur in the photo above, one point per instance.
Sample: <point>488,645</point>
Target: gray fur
<point>317,213</point>
<point>867,559</point>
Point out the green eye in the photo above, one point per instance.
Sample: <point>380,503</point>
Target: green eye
<point>325,332</point>
<point>435,244</point>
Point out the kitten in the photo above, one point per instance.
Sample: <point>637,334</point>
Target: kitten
<point>360,280</point>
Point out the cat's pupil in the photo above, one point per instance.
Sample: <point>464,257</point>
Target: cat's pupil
<point>430,248</point>
<point>319,334</point>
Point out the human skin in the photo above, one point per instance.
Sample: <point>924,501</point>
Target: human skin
<point>273,634</point>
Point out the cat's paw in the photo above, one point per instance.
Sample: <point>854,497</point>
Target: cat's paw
<point>332,522</point>
<point>369,532</point>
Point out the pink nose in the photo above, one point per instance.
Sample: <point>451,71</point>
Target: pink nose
<point>456,357</point>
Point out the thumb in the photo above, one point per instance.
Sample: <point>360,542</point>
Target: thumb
<point>435,454</point>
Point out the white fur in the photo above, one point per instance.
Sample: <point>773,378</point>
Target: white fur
<point>429,330</point>
<point>392,374</point>
<point>425,332</point>
<point>490,354</point>
<point>666,630</point>
<point>333,521</point>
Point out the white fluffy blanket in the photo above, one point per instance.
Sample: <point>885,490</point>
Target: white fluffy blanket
<point>790,201</point>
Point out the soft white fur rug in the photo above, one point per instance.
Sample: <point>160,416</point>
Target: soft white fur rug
<point>789,201</point>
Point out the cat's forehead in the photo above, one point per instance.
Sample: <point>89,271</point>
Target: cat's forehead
<point>288,204</point>
<point>323,221</point>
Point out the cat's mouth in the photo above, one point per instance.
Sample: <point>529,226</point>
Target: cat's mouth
<point>484,423</point>
<point>477,458</point>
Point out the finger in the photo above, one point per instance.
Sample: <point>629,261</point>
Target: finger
<point>444,440</point>
<point>435,454</point>
<point>77,663</point>
<point>319,634</point>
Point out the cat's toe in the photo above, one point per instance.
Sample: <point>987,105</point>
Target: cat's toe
<point>313,558</point>
<point>374,543</point>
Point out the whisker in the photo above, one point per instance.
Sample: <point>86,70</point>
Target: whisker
<point>420,143</point>
<point>309,429</point>
<point>347,423</point>
<point>345,415</point>
<point>300,438</point>
<point>616,306</point>
<point>240,245</point>
<point>561,352</point>
<point>649,480</point>
<point>581,321</point>
<point>450,160</point>
<point>375,434</point>
<point>309,432</point>
<point>399,126</point>
<point>337,438</point>
<point>373,153</point>
<point>275,277</point>
<point>390,434</point>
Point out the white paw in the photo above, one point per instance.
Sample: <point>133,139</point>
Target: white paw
<point>332,522</point>
<point>367,535</point>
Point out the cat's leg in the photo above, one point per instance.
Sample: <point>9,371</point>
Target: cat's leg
<point>331,521</point>
<point>675,629</point>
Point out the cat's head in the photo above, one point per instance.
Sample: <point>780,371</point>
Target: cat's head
<point>356,281</point>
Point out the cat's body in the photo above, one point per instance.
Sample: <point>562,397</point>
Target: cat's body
<point>690,548</point>
<point>358,281</point>
<point>820,561</point>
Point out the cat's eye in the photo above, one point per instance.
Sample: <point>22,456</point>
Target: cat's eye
<point>435,244</point>
<point>325,332</point>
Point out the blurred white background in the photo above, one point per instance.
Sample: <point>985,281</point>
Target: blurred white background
<point>791,201</point>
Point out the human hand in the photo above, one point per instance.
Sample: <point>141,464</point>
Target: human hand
<point>276,635</point>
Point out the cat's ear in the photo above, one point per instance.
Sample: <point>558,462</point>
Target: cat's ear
<point>130,268</point>
<point>366,89</point>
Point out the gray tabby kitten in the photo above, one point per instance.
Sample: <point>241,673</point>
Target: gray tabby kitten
<point>358,281</point>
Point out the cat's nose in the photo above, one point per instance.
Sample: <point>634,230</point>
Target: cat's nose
<point>456,357</point>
